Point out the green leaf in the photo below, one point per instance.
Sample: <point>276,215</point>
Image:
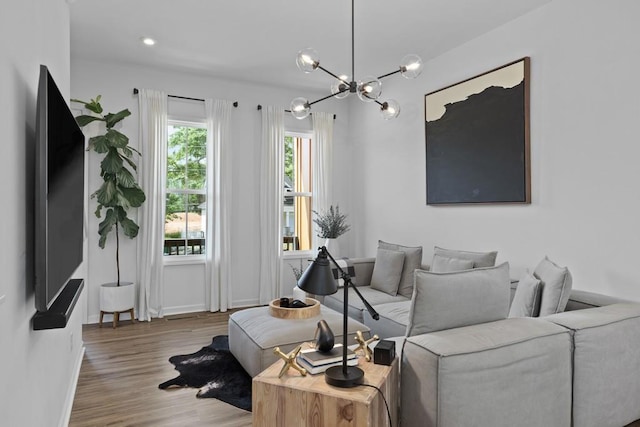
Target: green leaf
<point>99,144</point>
<point>116,138</point>
<point>129,227</point>
<point>84,120</point>
<point>107,193</point>
<point>127,151</point>
<point>113,119</point>
<point>125,178</point>
<point>98,210</point>
<point>134,196</point>
<point>133,165</point>
<point>105,227</point>
<point>120,213</point>
<point>112,162</point>
<point>93,105</point>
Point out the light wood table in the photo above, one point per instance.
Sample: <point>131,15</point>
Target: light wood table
<point>294,400</point>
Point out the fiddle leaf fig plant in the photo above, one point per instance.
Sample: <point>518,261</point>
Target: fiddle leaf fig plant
<point>119,190</point>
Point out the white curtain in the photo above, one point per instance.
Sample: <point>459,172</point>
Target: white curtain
<point>322,169</point>
<point>271,199</point>
<point>218,252</point>
<point>153,143</point>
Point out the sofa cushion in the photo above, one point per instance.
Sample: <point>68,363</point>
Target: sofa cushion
<point>556,286</point>
<point>387,271</point>
<point>393,320</point>
<point>412,262</point>
<point>373,296</point>
<point>512,372</point>
<point>445,264</point>
<point>606,366</point>
<point>450,300</point>
<point>480,259</point>
<point>526,301</point>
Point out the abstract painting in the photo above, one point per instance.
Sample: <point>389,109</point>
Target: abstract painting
<point>477,139</point>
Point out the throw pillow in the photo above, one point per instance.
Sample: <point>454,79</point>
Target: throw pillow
<point>480,259</point>
<point>444,264</point>
<point>526,301</point>
<point>412,262</point>
<point>346,266</point>
<point>462,298</point>
<point>387,271</point>
<point>556,286</point>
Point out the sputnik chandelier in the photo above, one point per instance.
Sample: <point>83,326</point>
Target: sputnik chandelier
<point>368,88</point>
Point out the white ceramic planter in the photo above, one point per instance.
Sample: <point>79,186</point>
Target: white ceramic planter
<point>115,298</point>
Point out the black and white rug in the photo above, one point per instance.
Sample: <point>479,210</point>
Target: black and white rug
<point>215,372</point>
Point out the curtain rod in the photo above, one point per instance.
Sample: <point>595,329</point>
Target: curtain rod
<point>136,91</point>
<point>288,111</point>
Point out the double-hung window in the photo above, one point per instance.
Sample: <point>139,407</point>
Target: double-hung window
<point>298,192</point>
<point>186,195</point>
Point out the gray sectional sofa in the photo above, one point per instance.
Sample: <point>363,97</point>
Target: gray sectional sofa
<point>575,368</point>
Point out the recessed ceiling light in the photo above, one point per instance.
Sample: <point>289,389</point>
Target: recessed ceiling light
<point>148,41</point>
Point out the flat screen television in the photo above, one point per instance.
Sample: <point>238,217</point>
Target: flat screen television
<point>59,193</point>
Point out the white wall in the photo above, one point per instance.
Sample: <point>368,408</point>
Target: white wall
<point>584,150</point>
<point>184,285</point>
<point>38,368</point>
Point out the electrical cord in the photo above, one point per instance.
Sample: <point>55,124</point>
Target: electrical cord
<point>385,401</point>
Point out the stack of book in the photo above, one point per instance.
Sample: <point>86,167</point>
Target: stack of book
<point>316,362</point>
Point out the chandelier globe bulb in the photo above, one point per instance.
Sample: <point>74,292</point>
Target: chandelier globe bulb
<point>300,108</point>
<point>369,89</point>
<point>307,60</point>
<point>410,66</point>
<point>390,109</point>
<point>340,88</point>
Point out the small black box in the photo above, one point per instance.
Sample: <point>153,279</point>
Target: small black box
<point>384,352</point>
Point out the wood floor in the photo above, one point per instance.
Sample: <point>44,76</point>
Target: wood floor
<point>121,370</point>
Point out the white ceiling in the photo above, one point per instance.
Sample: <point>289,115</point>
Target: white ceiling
<point>257,40</point>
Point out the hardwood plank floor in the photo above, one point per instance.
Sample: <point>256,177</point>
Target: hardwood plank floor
<point>121,370</point>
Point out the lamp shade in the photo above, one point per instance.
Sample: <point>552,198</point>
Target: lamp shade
<point>318,278</point>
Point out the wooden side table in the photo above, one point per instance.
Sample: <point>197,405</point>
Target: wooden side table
<point>298,401</point>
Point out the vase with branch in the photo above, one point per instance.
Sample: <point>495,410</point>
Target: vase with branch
<point>331,225</point>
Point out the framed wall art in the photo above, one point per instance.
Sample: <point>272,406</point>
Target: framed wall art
<point>477,139</point>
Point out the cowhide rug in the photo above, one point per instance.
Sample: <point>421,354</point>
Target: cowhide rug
<point>215,372</point>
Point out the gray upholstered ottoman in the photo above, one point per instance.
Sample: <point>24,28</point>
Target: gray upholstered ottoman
<point>254,333</point>
<point>511,372</point>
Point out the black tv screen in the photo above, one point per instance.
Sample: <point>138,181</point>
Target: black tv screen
<point>59,193</point>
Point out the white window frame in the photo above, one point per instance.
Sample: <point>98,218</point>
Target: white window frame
<point>295,254</point>
<point>193,258</point>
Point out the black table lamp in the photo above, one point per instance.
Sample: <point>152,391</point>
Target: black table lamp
<point>318,279</point>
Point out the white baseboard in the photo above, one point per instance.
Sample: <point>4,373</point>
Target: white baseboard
<point>168,311</point>
<point>71,392</point>
<point>245,303</point>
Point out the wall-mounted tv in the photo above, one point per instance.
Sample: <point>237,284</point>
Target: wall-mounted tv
<point>59,193</point>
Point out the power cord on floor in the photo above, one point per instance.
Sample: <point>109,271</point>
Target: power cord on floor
<point>385,401</point>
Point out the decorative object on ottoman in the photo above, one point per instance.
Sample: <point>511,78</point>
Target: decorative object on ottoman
<point>384,352</point>
<point>290,361</point>
<point>312,309</point>
<point>318,280</point>
<point>363,344</point>
<point>324,337</point>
